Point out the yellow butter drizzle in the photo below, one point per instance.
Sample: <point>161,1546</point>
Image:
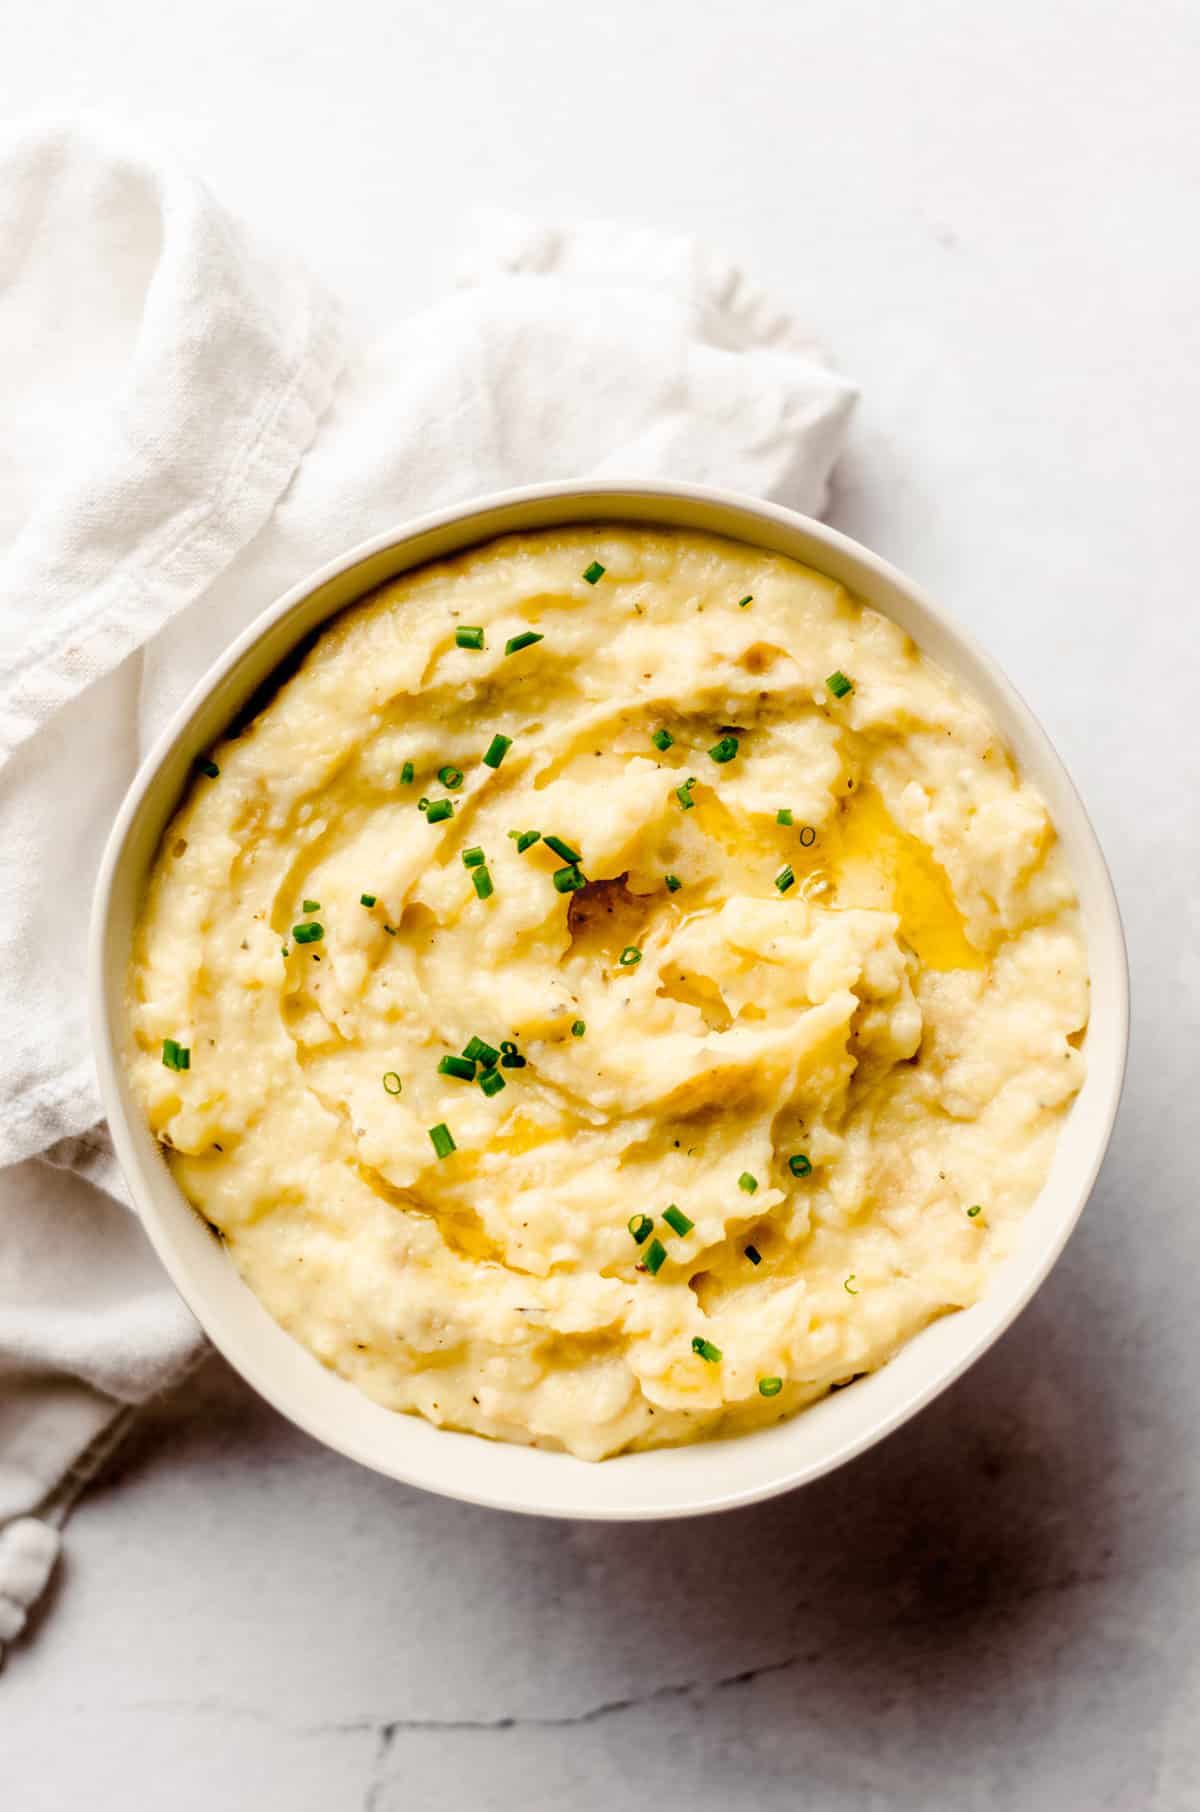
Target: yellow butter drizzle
<point>869,862</point>
<point>874,863</point>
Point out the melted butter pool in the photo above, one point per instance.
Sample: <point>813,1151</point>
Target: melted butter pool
<point>873,862</point>
<point>868,859</point>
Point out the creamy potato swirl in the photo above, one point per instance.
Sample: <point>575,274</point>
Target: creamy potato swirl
<point>810,1000</point>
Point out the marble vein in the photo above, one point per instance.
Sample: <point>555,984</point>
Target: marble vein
<point>391,1729</point>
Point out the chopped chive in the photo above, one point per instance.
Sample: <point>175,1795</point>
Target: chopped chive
<point>799,1165</point>
<point>461,1067</point>
<point>443,1144</point>
<point>785,879</point>
<point>484,1054</point>
<point>440,809</point>
<point>510,1057</point>
<point>406,774</point>
<point>677,1220</point>
<point>747,1182</point>
<point>515,643</point>
<point>422,804</point>
<point>594,572</point>
<point>481,880</point>
<point>848,1282</point>
<point>473,858</point>
<point>656,1257</point>
<point>578,1028</point>
<point>972,1212</point>
<point>468,635</point>
<point>392,1082</point>
<point>451,777</point>
<point>725,750</point>
<point>491,1082</point>
<point>673,883</point>
<point>684,794</point>
<point>309,932</point>
<point>783,817</point>
<point>808,836</point>
<point>770,1387</point>
<point>176,1056</point>
<point>283,949</point>
<point>208,767</point>
<point>641,1227</point>
<point>748,599</point>
<point>366,899</point>
<point>662,739</point>
<point>630,957</point>
<point>525,840</point>
<point>563,849</point>
<point>754,1255</point>
<point>569,879</point>
<point>497,749</point>
<point>839,685</point>
<point>310,905</point>
<point>704,1349</point>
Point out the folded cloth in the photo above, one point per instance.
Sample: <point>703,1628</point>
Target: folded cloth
<point>190,424</point>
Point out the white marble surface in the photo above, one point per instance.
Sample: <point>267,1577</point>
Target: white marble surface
<point>989,213</point>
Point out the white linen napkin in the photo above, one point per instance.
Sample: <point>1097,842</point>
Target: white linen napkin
<point>188,425</point>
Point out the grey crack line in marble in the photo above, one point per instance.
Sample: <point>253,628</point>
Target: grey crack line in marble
<point>391,1729</point>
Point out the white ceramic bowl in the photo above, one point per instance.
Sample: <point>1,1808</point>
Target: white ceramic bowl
<point>682,1481</point>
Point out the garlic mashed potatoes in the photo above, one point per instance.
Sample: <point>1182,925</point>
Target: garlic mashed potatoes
<point>615,991</point>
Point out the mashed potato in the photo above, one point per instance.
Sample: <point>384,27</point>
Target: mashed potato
<point>615,991</point>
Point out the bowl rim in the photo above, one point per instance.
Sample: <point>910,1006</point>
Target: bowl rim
<point>598,500</point>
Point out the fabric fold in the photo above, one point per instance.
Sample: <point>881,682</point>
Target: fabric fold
<point>177,373</point>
